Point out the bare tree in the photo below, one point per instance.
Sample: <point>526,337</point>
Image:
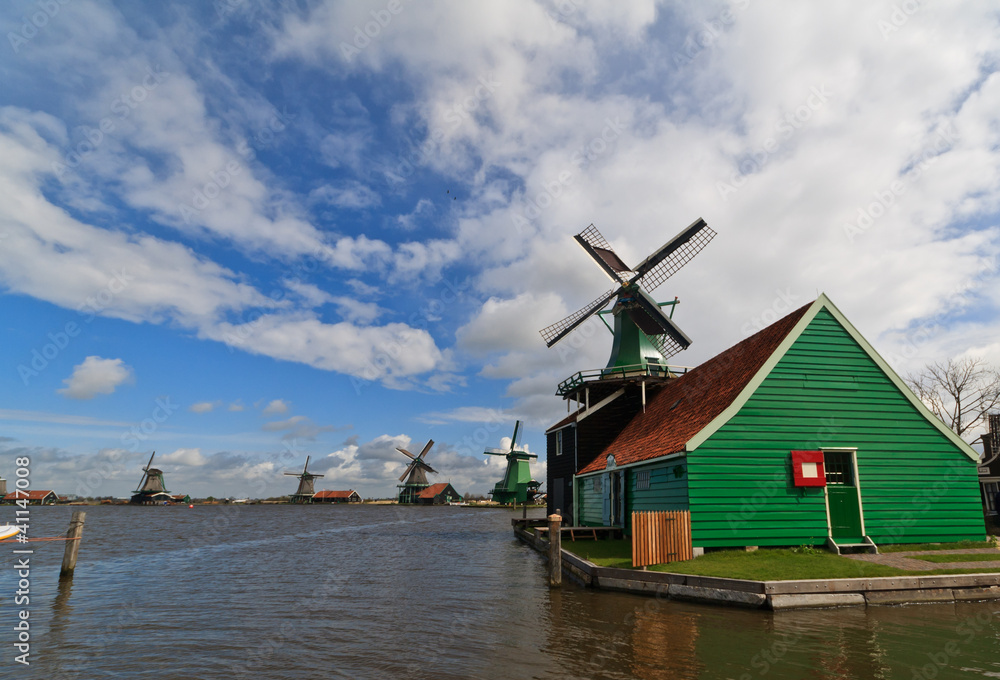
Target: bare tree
<point>959,391</point>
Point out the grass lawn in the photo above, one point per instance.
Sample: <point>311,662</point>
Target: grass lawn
<point>766,564</point>
<point>959,545</point>
<point>975,557</point>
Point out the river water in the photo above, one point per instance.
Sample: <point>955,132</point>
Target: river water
<point>387,592</point>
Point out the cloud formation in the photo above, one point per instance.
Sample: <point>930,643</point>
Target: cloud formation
<point>96,376</point>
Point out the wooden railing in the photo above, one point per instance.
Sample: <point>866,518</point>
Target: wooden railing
<point>661,537</point>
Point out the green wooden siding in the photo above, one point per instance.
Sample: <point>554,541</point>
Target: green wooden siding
<point>591,502</point>
<point>826,391</point>
<point>668,481</point>
<point>667,491</point>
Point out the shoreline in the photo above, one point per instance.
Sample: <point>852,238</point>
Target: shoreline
<point>774,595</point>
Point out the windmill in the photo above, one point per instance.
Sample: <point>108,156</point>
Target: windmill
<point>307,488</point>
<point>643,333</point>
<point>517,486</point>
<point>151,487</point>
<point>415,474</point>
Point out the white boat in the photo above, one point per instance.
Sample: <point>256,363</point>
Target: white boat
<point>8,531</point>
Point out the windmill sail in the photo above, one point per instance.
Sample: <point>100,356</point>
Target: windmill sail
<point>676,253</point>
<point>307,483</point>
<point>641,326</point>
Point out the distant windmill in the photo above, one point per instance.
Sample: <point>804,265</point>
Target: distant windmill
<point>644,334</point>
<point>151,486</point>
<point>517,486</point>
<point>307,488</point>
<point>415,474</point>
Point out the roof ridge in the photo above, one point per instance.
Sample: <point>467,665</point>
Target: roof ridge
<point>694,399</point>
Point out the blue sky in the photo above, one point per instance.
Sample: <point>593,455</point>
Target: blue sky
<point>241,233</point>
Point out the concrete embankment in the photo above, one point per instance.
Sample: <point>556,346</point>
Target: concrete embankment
<point>775,595</point>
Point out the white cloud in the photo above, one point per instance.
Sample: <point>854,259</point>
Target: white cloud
<point>297,428</point>
<point>357,311</point>
<point>467,414</point>
<point>751,111</point>
<point>203,406</point>
<point>274,407</point>
<point>278,425</point>
<point>236,406</point>
<point>393,353</point>
<point>409,221</point>
<point>96,376</point>
<point>189,457</point>
<point>350,194</point>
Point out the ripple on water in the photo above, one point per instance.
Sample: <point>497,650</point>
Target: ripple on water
<point>387,592</point>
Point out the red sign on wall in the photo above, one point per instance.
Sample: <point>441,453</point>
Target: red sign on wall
<point>807,468</point>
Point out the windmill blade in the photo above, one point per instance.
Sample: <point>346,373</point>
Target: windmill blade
<point>306,466</point>
<point>652,321</point>
<point>405,452</point>
<point>598,248</point>
<point>513,439</point>
<point>427,467</point>
<point>150,463</point>
<point>407,471</point>
<point>666,345</point>
<point>676,253</point>
<point>557,331</point>
<point>496,452</point>
<point>427,447</point>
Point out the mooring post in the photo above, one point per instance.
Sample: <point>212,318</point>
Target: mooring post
<point>555,549</point>
<point>73,537</point>
<point>524,511</point>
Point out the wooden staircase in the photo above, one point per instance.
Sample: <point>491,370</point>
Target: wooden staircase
<point>852,544</point>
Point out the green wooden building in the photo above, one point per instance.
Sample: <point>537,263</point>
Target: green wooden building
<point>800,434</point>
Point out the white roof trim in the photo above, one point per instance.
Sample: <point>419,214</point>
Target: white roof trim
<point>651,461</point>
<point>823,302</point>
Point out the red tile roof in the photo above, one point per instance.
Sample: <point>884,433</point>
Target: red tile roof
<point>334,494</point>
<point>31,495</point>
<point>433,490</point>
<point>687,404</point>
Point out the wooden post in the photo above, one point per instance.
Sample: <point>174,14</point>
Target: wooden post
<point>555,549</point>
<point>75,531</point>
<point>524,511</point>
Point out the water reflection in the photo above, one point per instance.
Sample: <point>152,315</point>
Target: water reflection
<point>419,593</point>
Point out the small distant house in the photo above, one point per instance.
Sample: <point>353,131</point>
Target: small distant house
<point>181,498</point>
<point>438,494</point>
<point>799,434</point>
<point>33,497</point>
<point>349,496</point>
<point>989,466</point>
